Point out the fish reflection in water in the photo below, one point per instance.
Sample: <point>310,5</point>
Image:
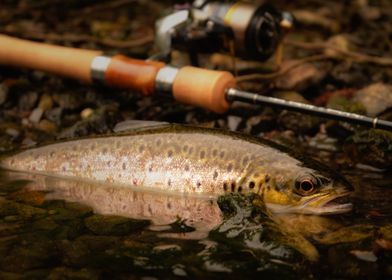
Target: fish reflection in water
<point>199,212</point>
<point>202,213</point>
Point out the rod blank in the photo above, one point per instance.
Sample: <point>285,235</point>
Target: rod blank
<point>238,95</point>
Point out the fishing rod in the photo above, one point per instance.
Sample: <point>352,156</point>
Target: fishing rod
<point>209,89</point>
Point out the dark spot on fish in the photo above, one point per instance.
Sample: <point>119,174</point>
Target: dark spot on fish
<point>51,154</point>
<point>185,148</point>
<point>190,151</point>
<point>170,153</point>
<point>268,187</point>
<point>75,148</point>
<point>124,166</point>
<point>159,142</point>
<point>12,161</point>
<point>169,182</point>
<point>198,184</point>
<point>134,182</point>
<point>233,186</point>
<point>245,160</point>
<point>267,178</point>
<point>239,189</point>
<point>108,163</point>
<point>276,188</point>
<point>104,150</point>
<point>251,184</point>
<point>256,175</point>
<point>150,169</point>
<point>149,209</point>
<point>63,168</point>
<point>214,152</point>
<point>215,175</point>
<point>187,167</point>
<point>202,154</point>
<point>169,205</point>
<point>225,186</point>
<point>222,154</point>
<point>141,148</point>
<point>230,167</point>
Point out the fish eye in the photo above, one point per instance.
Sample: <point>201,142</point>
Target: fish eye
<point>306,185</point>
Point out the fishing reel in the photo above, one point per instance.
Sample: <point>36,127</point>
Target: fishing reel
<point>245,29</point>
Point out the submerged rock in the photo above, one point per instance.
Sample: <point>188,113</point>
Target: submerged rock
<point>350,234</point>
<point>68,273</point>
<point>113,225</point>
<point>248,230</point>
<point>10,208</point>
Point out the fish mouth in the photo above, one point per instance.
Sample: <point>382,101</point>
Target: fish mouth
<point>326,204</point>
<point>319,204</point>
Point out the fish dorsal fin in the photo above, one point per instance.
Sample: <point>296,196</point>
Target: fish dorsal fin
<point>130,125</point>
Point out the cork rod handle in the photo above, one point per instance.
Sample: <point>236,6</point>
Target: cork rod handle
<point>194,86</point>
<point>67,62</point>
<point>75,63</point>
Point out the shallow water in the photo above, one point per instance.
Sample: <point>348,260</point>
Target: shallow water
<point>60,228</point>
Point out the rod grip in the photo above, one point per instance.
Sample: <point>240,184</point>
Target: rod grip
<point>203,88</point>
<point>64,61</point>
<point>129,73</point>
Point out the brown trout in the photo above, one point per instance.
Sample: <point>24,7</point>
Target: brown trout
<point>182,159</point>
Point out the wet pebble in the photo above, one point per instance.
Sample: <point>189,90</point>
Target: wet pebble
<point>54,115</point>
<point>45,102</point>
<point>36,115</point>
<point>375,98</point>
<point>3,93</point>
<point>69,273</point>
<point>32,255</point>
<point>260,123</point>
<point>367,256</point>
<point>233,122</point>
<point>47,126</point>
<point>27,100</point>
<point>86,113</point>
<point>13,132</point>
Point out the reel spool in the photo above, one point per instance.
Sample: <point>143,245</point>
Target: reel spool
<point>252,31</point>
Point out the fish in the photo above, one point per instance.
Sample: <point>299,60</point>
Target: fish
<point>193,160</point>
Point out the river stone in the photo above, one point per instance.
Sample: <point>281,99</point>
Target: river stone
<point>113,225</point>
<point>68,273</point>
<point>29,255</point>
<point>376,98</point>
<point>10,208</point>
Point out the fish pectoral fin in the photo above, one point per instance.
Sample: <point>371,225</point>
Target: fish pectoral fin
<point>137,125</point>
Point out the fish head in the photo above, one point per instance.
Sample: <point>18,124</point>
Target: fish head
<point>306,191</point>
